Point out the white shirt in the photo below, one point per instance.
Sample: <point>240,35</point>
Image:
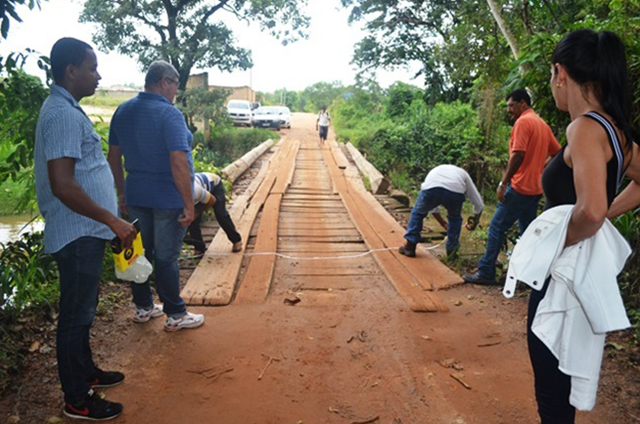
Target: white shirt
<point>323,119</point>
<point>454,179</point>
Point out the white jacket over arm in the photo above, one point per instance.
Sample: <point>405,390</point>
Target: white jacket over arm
<point>583,301</point>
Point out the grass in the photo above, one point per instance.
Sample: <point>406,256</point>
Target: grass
<point>101,99</point>
<point>11,198</point>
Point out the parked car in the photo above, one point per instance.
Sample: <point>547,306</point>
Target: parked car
<point>285,116</point>
<point>267,117</point>
<point>255,105</point>
<point>240,112</point>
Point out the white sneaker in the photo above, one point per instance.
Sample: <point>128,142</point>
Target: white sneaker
<point>144,315</point>
<point>188,321</point>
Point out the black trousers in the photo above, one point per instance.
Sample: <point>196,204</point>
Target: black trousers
<point>552,386</point>
<point>194,232</point>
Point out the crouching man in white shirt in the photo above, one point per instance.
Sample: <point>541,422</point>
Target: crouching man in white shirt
<point>446,185</point>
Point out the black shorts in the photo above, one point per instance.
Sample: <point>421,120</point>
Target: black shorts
<point>324,131</point>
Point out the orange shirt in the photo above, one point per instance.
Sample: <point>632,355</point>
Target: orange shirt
<point>531,135</point>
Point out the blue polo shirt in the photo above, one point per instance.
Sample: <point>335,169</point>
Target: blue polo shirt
<point>147,129</point>
<point>64,131</point>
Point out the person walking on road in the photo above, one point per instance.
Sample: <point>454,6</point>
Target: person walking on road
<point>151,134</point>
<point>208,191</point>
<point>531,144</point>
<point>322,124</point>
<point>74,188</point>
<point>445,185</point>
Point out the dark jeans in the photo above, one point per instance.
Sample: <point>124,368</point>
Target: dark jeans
<point>80,266</point>
<point>516,207</point>
<point>222,216</point>
<point>428,200</point>
<point>324,131</point>
<point>553,387</point>
<point>162,236</point>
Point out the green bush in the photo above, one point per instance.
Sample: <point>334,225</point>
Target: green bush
<point>28,276</point>
<point>629,226</point>
<point>15,196</point>
<point>227,144</point>
<point>424,138</point>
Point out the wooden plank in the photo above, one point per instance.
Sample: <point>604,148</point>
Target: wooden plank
<point>330,272</point>
<point>319,232</point>
<point>339,249</point>
<point>334,263</point>
<point>379,184</point>
<point>285,173</point>
<point>257,281</point>
<point>213,281</point>
<point>405,284</point>
<point>238,167</point>
<point>340,159</point>
<point>426,268</point>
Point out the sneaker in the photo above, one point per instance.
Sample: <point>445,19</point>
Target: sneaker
<point>144,315</point>
<point>477,278</point>
<point>408,249</point>
<point>237,246</point>
<point>187,321</point>
<point>93,408</point>
<point>106,378</point>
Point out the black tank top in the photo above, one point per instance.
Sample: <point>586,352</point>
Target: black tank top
<point>557,178</point>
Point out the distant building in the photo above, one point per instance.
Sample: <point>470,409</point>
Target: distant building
<point>237,93</point>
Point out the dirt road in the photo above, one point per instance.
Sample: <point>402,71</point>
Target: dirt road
<point>350,353</point>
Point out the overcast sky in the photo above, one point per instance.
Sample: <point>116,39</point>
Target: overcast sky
<point>325,56</point>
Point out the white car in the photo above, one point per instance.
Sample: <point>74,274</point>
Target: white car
<point>285,116</point>
<point>240,112</point>
<point>267,117</point>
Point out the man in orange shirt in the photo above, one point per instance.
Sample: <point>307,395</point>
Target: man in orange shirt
<point>531,144</point>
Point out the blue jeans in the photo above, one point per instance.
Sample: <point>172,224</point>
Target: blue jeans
<point>162,236</point>
<point>516,206</point>
<point>80,266</point>
<point>428,200</point>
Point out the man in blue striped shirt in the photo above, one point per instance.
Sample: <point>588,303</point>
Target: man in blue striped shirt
<point>75,194</point>
<point>151,134</point>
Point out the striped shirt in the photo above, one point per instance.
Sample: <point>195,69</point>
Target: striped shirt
<point>64,131</point>
<point>203,185</point>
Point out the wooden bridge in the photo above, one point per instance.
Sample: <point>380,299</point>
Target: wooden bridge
<point>318,233</point>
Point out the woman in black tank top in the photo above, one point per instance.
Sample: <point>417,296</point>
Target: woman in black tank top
<point>588,80</point>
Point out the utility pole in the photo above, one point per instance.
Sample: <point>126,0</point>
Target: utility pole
<point>253,95</point>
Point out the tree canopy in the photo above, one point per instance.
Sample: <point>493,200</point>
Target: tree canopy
<point>184,32</point>
<point>467,47</point>
<point>8,12</point>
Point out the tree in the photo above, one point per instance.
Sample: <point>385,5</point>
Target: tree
<point>21,96</point>
<point>321,94</point>
<point>463,45</point>
<point>207,106</point>
<point>8,10</point>
<point>184,33</point>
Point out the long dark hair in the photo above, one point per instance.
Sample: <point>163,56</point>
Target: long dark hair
<point>597,59</point>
